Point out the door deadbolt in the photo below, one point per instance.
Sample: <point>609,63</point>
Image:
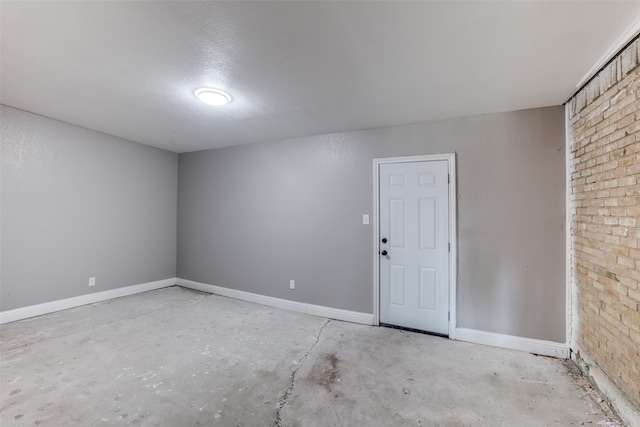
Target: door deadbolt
<point>384,240</point>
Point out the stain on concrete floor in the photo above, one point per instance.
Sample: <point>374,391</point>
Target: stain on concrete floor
<point>324,371</point>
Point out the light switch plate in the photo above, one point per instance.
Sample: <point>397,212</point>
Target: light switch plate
<point>365,219</point>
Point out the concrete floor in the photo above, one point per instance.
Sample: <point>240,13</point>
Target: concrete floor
<point>176,357</point>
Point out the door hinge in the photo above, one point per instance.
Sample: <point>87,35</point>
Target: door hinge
<point>449,247</point>
<point>449,316</point>
<point>448,179</point>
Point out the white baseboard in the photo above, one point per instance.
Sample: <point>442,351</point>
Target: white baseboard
<point>620,403</point>
<point>64,304</point>
<point>545,348</point>
<point>300,307</point>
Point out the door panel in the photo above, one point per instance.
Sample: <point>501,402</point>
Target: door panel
<point>398,285</point>
<point>414,217</point>
<point>428,179</point>
<point>428,288</point>
<point>428,224</point>
<point>397,221</point>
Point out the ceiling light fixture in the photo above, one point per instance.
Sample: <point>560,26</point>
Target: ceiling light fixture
<point>213,96</point>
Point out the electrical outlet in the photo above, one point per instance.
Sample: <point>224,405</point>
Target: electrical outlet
<point>292,284</point>
<point>92,281</point>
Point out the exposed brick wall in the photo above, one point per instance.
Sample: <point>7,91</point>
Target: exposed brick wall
<point>604,138</point>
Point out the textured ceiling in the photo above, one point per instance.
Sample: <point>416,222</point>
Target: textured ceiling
<point>293,68</point>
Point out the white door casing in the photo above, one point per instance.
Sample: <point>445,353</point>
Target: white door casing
<point>415,268</point>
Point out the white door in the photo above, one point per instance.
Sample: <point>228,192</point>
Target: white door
<point>414,245</point>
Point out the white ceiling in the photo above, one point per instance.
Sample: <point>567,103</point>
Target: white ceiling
<point>294,68</point>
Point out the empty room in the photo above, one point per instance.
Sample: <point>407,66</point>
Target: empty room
<point>317,213</point>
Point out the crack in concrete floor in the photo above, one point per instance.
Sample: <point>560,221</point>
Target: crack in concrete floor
<point>283,400</point>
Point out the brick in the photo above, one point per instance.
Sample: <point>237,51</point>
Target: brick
<point>629,60</point>
<point>631,304</point>
<point>627,161</point>
<point>627,180</point>
<point>633,148</point>
<point>612,114</point>
<point>633,190</point>
<point>633,212</point>
<point>605,84</point>
<point>631,108</point>
<point>603,123</point>
<point>620,250</point>
<point>625,121</point>
<point>617,192</point>
<point>610,165</point>
<point>629,201</point>
<point>612,239</point>
<point>615,155</point>
<point>628,222</point>
<point>617,135</point>
<point>632,128</point>
<point>618,67</point>
<point>619,231</point>
<point>592,90</point>
<point>631,241</point>
<point>580,102</point>
<point>626,261</point>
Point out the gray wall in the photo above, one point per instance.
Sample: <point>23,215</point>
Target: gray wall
<point>252,217</point>
<point>77,204</point>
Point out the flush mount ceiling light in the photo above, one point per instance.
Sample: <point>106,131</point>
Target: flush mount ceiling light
<point>213,96</point>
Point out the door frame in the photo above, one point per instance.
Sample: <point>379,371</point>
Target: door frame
<point>453,253</point>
